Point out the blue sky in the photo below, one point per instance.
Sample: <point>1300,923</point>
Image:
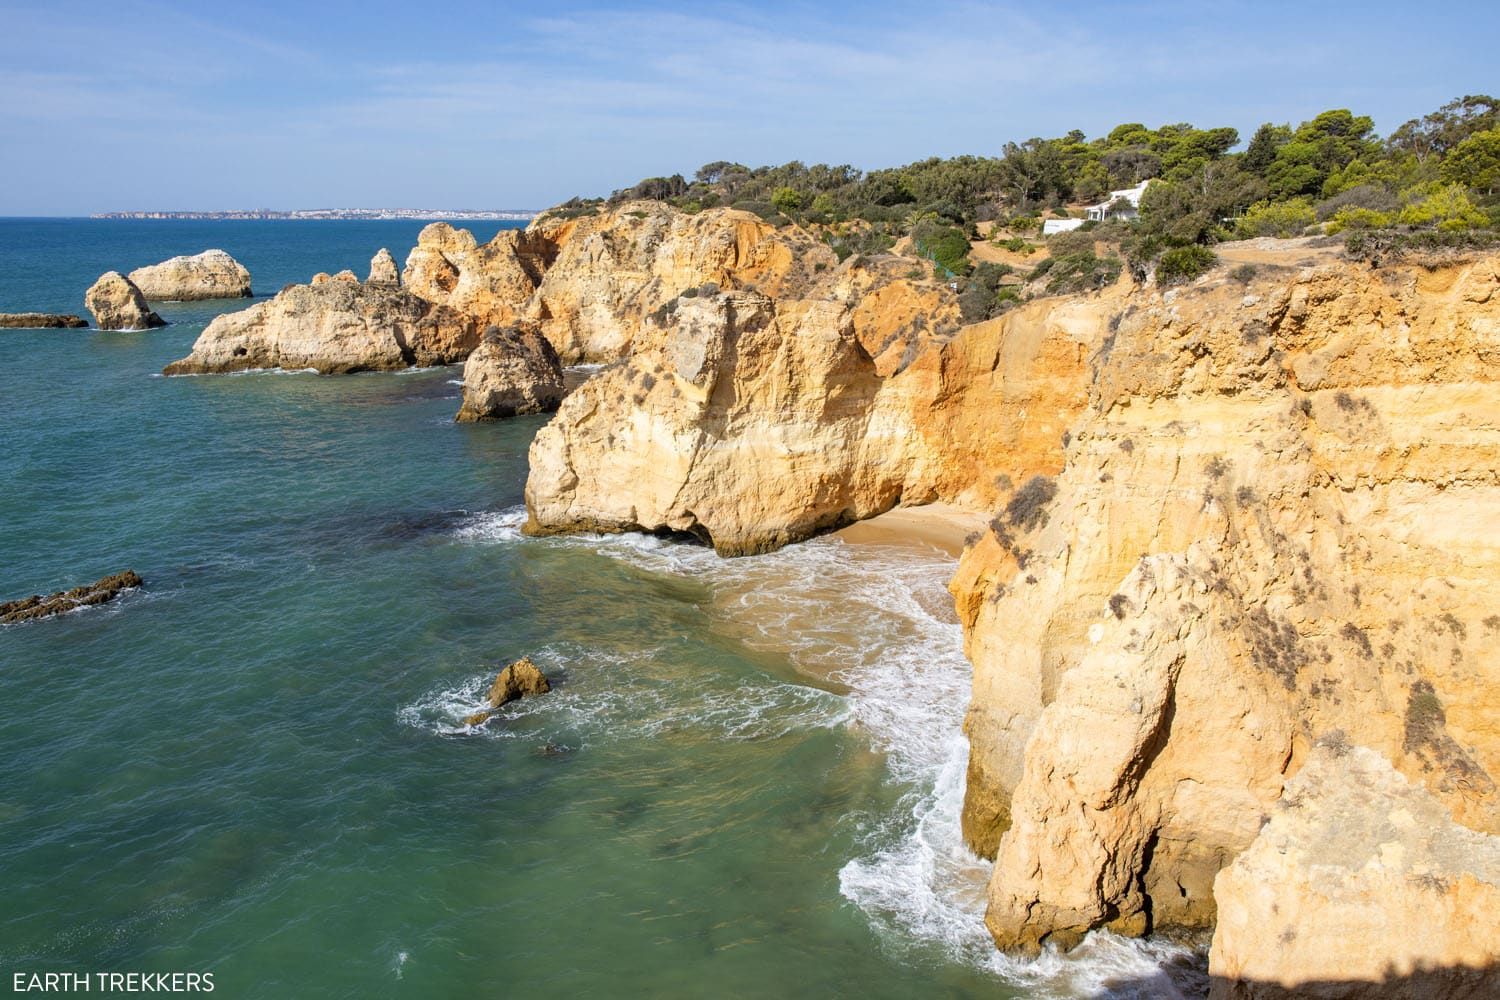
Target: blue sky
<point>168,105</point>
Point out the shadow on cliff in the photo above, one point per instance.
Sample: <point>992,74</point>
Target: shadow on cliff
<point>1186,977</point>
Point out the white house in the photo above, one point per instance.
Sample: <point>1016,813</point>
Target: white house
<point>1102,211</point>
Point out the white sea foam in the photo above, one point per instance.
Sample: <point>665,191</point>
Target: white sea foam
<point>879,621</point>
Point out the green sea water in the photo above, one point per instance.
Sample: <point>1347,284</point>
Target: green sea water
<point>745,782</point>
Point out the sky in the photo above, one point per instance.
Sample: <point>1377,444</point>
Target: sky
<point>166,105</point>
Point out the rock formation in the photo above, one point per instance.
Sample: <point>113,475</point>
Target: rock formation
<point>751,423</point>
<point>37,606</point>
<point>1229,520</point>
<point>118,305</point>
<point>522,679</point>
<point>40,321</point>
<point>1361,885</point>
<point>492,283</point>
<point>512,371</point>
<point>383,269</point>
<point>212,274</point>
<point>336,325</point>
<point>1277,519</point>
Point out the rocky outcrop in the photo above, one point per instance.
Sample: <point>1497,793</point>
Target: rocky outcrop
<point>37,606</point>
<point>493,282</point>
<point>752,423</point>
<point>336,325</point>
<point>1361,885</point>
<point>118,305</point>
<point>588,283</point>
<point>40,321</point>
<point>521,679</point>
<point>513,371</point>
<point>1275,521</point>
<point>212,274</point>
<point>383,269</point>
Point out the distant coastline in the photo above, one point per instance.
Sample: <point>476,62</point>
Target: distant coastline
<point>464,214</point>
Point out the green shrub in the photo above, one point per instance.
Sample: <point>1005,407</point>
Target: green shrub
<point>1183,264</point>
<point>1281,219</point>
<point>1244,274</point>
<point>1081,272</point>
<point>1351,217</point>
<point>786,199</point>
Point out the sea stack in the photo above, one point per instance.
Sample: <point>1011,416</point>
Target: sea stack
<point>117,304</point>
<point>512,371</point>
<point>383,269</point>
<point>212,274</point>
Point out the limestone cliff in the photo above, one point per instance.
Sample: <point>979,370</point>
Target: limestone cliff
<point>514,370</point>
<point>1278,519</point>
<point>589,282</point>
<point>1361,885</point>
<point>1230,520</point>
<point>752,422</point>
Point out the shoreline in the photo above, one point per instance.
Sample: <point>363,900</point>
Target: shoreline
<point>940,526</point>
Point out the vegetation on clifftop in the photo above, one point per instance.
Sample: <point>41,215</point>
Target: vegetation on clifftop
<point>1436,174</point>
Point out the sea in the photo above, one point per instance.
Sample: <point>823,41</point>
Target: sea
<point>745,783</point>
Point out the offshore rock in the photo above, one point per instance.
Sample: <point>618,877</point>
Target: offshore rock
<point>1361,885</point>
<point>513,371</point>
<point>37,606</point>
<point>40,321</point>
<point>118,305</point>
<point>336,325</point>
<point>383,269</point>
<point>212,274</point>
<point>522,679</point>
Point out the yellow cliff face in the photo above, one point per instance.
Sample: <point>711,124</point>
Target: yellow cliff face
<point>1276,523</point>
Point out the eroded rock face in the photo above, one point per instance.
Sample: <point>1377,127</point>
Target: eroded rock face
<point>491,283</point>
<point>734,420</point>
<point>512,371</point>
<point>1361,885</point>
<point>753,423</point>
<point>1279,518</point>
<point>383,269</point>
<point>40,321</point>
<point>98,592</point>
<point>118,305</point>
<point>335,325</point>
<point>212,274</point>
<point>588,283</point>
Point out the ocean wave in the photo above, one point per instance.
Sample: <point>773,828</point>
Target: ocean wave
<point>627,700</point>
<point>879,622</point>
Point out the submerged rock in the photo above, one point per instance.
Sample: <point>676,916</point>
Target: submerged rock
<point>521,679</point>
<point>512,371</point>
<point>37,606</point>
<point>118,305</point>
<point>1361,885</point>
<point>383,269</point>
<point>40,321</point>
<point>334,325</point>
<point>212,274</point>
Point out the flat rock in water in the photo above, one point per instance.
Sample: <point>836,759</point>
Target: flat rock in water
<point>212,274</point>
<point>41,321</point>
<point>37,606</point>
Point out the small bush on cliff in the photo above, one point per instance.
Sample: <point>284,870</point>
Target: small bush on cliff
<point>1028,508</point>
<point>1081,272</point>
<point>1183,264</point>
<point>946,246</point>
<point>1280,219</point>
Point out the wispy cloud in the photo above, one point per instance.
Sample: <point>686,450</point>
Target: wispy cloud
<point>288,104</point>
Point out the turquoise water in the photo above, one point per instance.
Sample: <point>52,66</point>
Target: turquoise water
<point>745,783</point>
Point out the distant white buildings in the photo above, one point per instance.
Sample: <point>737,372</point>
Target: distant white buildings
<point>1122,204</point>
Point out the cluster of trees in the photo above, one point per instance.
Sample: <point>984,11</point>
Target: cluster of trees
<point>1329,174</point>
